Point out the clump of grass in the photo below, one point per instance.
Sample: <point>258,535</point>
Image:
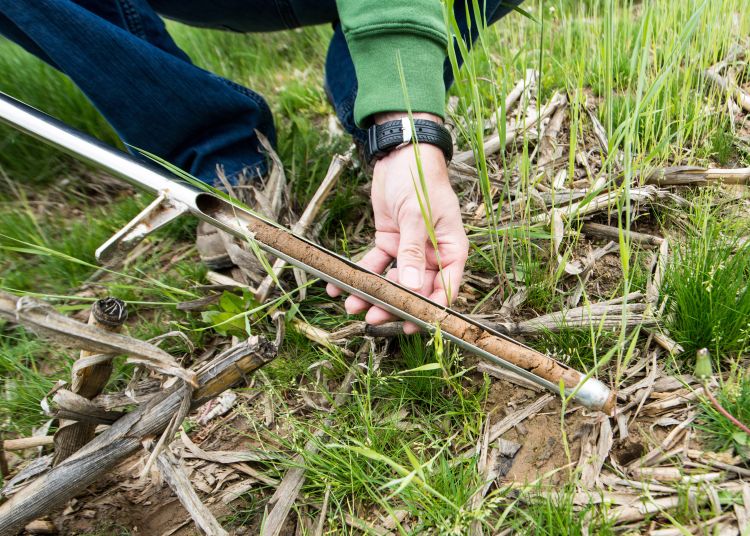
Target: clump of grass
<point>720,432</point>
<point>706,282</point>
<point>391,443</point>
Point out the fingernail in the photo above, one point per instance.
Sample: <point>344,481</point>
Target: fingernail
<point>411,278</point>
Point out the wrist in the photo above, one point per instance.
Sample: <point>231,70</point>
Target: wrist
<point>383,117</point>
<point>393,130</point>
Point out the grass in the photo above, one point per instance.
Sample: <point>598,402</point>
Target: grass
<point>554,513</point>
<point>721,433</point>
<point>709,300</point>
<point>25,379</point>
<point>395,431</point>
<point>394,441</point>
<point>582,349</point>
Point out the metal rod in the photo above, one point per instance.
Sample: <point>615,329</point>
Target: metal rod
<point>233,219</point>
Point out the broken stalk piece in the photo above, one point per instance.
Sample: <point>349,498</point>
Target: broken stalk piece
<point>310,257</point>
<point>90,375</point>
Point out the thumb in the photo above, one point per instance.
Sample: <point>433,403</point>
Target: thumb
<point>411,252</point>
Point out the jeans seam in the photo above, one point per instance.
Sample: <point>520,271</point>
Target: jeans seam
<point>132,18</point>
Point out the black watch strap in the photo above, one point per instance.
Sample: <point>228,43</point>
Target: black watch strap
<point>383,138</point>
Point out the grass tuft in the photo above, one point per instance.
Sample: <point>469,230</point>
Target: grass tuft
<point>706,285</point>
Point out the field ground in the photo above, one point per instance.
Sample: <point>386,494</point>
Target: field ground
<point>597,236</point>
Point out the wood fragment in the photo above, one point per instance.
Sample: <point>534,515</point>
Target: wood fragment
<point>613,233</point>
<point>226,282</point>
<point>321,336</point>
<point>672,474</point>
<point>743,512</point>
<point>221,456</point>
<point>364,526</point>
<point>727,84</point>
<point>493,144</point>
<point>253,473</point>
<point>177,527</point>
<point>676,399</point>
<point>656,274</point>
<point>319,526</point>
<point>73,407</point>
<point>54,488</point>
<point>519,93</point>
<point>27,442</point>
<point>549,149</point>
<point>608,316</point>
<point>593,462</point>
<point>41,526</point>
<point>199,304</point>
<point>697,176</point>
<point>485,468</point>
<point>42,319</point>
<point>235,491</point>
<point>502,426</point>
<point>638,511</point>
<point>180,483</point>
<point>599,132</point>
<point>665,445</point>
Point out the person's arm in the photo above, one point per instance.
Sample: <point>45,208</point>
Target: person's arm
<point>378,33</point>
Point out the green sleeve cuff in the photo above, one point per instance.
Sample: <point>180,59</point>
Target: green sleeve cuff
<point>380,87</point>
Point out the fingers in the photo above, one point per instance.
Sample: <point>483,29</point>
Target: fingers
<point>377,316</point>
<point>411,250</point>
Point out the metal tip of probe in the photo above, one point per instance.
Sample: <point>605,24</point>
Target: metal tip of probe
<point>594,394</point>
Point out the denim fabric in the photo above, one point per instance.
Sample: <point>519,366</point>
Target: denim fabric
<point>120,55</point>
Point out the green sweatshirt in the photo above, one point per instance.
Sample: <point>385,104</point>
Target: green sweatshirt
<point>376,32</point>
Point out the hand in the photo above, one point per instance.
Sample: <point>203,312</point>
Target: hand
<point>401,232</point>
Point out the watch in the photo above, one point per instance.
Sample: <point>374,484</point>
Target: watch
<point>383,138</point>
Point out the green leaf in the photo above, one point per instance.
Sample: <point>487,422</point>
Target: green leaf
<point>741,438</point>
<point>225,323</point>
<point>232,303</point>
<point>428,366</point>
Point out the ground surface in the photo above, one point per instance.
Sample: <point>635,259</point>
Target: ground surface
<point>423,439</point>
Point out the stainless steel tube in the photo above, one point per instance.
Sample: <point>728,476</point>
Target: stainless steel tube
<point>589,392</point>
<point>120,164</point>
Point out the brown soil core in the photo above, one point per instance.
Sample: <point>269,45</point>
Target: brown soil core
<point>382,289</point>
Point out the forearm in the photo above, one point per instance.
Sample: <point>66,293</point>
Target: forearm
<point>405,38</point>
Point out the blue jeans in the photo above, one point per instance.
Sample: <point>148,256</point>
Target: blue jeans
<point>120,55</point>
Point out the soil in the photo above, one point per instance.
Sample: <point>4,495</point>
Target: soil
<point>542,453</point>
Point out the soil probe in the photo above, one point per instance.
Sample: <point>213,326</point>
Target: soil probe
<point>175,197</point>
